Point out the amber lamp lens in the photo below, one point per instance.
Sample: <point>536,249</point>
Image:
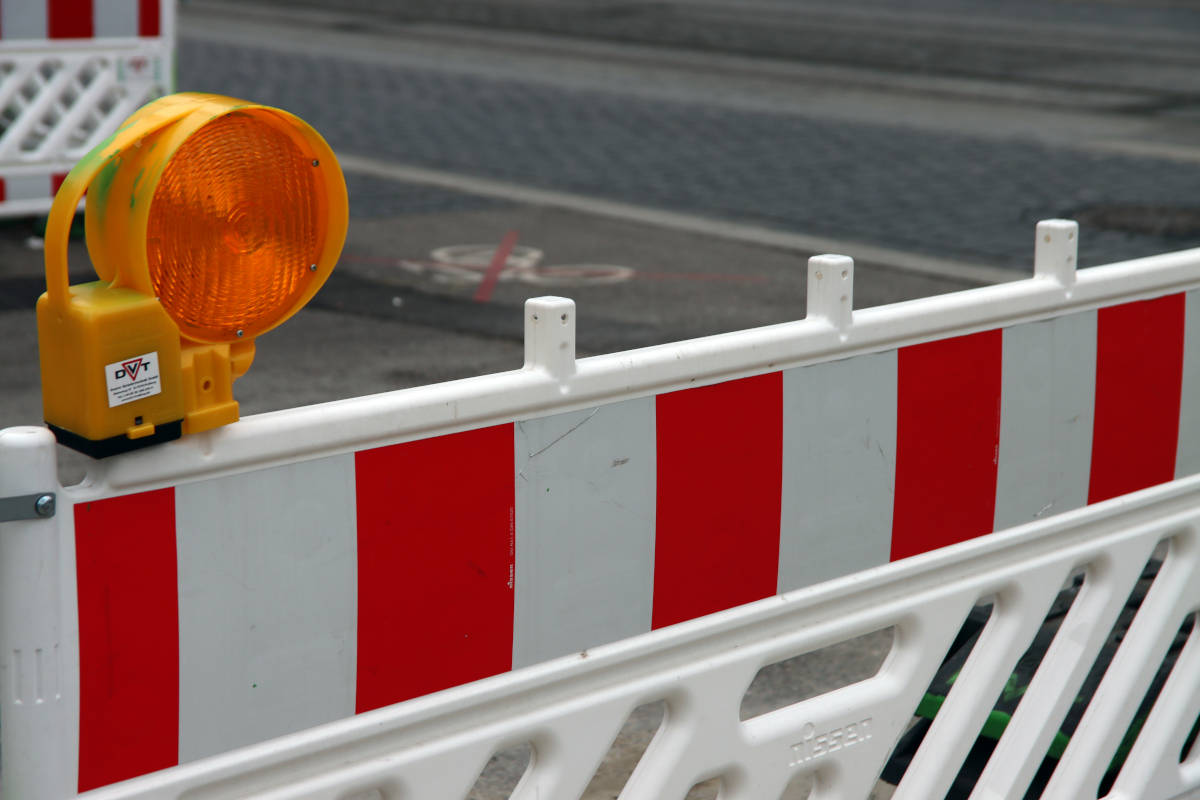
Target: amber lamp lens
<point>233,229</point>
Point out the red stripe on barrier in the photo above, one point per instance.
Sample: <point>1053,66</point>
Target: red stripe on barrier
<point>947,437</point>
<point>3,190</point>
<point>1139,378</point>
<point>56,182</point>
<point>720,463</point>
<point>128,637</point>
<point>436,560</point>
<point>149,17</point>
<point>69,19</point>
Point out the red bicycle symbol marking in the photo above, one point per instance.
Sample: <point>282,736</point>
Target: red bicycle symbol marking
<point>468,263</point>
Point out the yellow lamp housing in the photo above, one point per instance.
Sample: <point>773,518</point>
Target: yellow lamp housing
<point>209,221</point>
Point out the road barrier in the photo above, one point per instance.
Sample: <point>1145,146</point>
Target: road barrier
<point>569,710</point>
<point>310,567</point>
<point>70,72</point>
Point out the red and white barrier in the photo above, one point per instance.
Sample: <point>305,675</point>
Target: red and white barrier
<point>569,711</point>
<point>70,72</point>
<point>305,566</point>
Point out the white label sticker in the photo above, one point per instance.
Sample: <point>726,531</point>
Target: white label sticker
<point>132,379</point>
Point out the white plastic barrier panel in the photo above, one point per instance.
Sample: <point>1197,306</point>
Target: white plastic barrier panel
<point>302,567</point>
<point>568,711</point>
<point>70,72</point>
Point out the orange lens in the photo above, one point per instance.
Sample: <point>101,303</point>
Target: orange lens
<point>234,228</point>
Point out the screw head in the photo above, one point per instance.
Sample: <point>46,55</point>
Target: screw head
<point>239,333</point>
<point>44,506</point>
<point>316,163</point>
<point>312,267</point>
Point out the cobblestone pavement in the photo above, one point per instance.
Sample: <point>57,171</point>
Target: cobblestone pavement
<point>940,193</point>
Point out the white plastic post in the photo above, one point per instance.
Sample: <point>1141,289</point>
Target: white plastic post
<point>37,739</point>
<point>550,336</point>
<point>831,290</point>
<point>1056,252</point>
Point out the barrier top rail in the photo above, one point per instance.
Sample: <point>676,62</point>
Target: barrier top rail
<point>552,378</point>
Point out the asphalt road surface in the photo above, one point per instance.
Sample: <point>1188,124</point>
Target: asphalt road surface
<point>671,166</point>
<point>676,192</point>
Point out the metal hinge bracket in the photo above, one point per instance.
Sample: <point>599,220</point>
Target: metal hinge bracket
<point>29,506</point>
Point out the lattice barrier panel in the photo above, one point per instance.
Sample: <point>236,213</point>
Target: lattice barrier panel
<point>62,92</point>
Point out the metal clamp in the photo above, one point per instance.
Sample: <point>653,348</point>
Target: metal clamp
<point>29,506</point>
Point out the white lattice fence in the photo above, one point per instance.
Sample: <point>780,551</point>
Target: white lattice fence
<point>60,97</point>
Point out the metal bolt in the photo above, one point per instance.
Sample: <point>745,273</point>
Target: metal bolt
<point>316,163</point>
<point>312,267</point>
<point>239,333</point>
<point>44,506</point>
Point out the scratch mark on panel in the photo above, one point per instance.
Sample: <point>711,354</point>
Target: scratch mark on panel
<point>573,428</point>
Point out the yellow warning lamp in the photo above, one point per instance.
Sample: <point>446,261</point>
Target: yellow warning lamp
<point>209,221</point>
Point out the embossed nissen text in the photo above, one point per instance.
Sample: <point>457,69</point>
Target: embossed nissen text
<point>814,744</point>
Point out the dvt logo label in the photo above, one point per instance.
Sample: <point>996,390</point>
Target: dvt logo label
<point>129,369</point>
<point>132,379</point>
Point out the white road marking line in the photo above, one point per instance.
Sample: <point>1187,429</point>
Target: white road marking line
<point>869,254</point>
<point>1169,151</point>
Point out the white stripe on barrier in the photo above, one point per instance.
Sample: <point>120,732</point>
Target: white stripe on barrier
<point>26,187</point>
<point>1187,458</point>
<point>267,613</point>
<point>585,529</point>
<point>22,19</point>
<point>839,468</point>
<point>1046,402</point>
<point>115,18</point>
